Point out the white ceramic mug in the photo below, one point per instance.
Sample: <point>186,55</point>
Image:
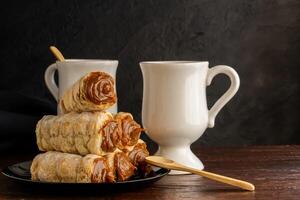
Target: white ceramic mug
<point>71,70</point>
<point>175,112</point>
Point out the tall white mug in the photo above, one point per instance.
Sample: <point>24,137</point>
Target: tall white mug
<point>174,111</point>
<point>71,70</point>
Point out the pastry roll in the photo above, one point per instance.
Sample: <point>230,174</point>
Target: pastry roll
<point>93,92</point>
<point>55,166</point>
<point>130,129</point>
<point>137,155</point>
<point>84,133</point>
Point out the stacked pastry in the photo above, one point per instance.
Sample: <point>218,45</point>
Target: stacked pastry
<point>87,144</point>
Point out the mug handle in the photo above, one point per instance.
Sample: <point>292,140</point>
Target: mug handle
<point>234,86</point>
<point>49,80</point>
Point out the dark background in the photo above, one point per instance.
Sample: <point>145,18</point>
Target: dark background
<point>259,38</point>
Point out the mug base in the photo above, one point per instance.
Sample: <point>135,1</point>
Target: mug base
<point>182,155</point>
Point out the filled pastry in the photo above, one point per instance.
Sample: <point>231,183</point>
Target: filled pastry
<point>55,166</point>
<point>131,129</point>
<point>93,92</point>
<point>119,165</point>
<point>87,132</point>
<point>137,155</point>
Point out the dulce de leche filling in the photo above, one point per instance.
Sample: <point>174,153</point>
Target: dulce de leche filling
<point>124,167</point>
<point>131,130</point>
<point>118,134</point>
<point>99,87</point>
<point>112,133</point>
<point>138,154</point>
<point>101,172</point>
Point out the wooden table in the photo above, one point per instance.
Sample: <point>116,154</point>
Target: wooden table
<point>275,170</point>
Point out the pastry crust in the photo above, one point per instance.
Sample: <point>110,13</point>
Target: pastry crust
<point>55,167</point>
<point>93,92</point>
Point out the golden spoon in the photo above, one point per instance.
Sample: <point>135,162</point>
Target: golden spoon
<point>170,164</point>
<point>57,53</point>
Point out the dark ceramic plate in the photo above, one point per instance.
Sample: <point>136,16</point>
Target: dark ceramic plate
<point>21,172</point>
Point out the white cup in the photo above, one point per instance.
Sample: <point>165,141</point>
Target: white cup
<point>175,112</point>
<point>71,70</point>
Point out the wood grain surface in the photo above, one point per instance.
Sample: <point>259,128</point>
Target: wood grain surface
<point>275,171</point>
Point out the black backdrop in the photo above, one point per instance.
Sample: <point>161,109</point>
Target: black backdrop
<point>259,38</point>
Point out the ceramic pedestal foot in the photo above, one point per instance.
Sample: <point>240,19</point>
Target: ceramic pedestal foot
<point>182,155</point>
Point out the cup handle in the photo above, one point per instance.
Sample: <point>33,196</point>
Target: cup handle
<point>49,80</point>
<point>234,86</point>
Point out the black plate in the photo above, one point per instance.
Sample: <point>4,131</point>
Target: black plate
<point>21,173</point>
